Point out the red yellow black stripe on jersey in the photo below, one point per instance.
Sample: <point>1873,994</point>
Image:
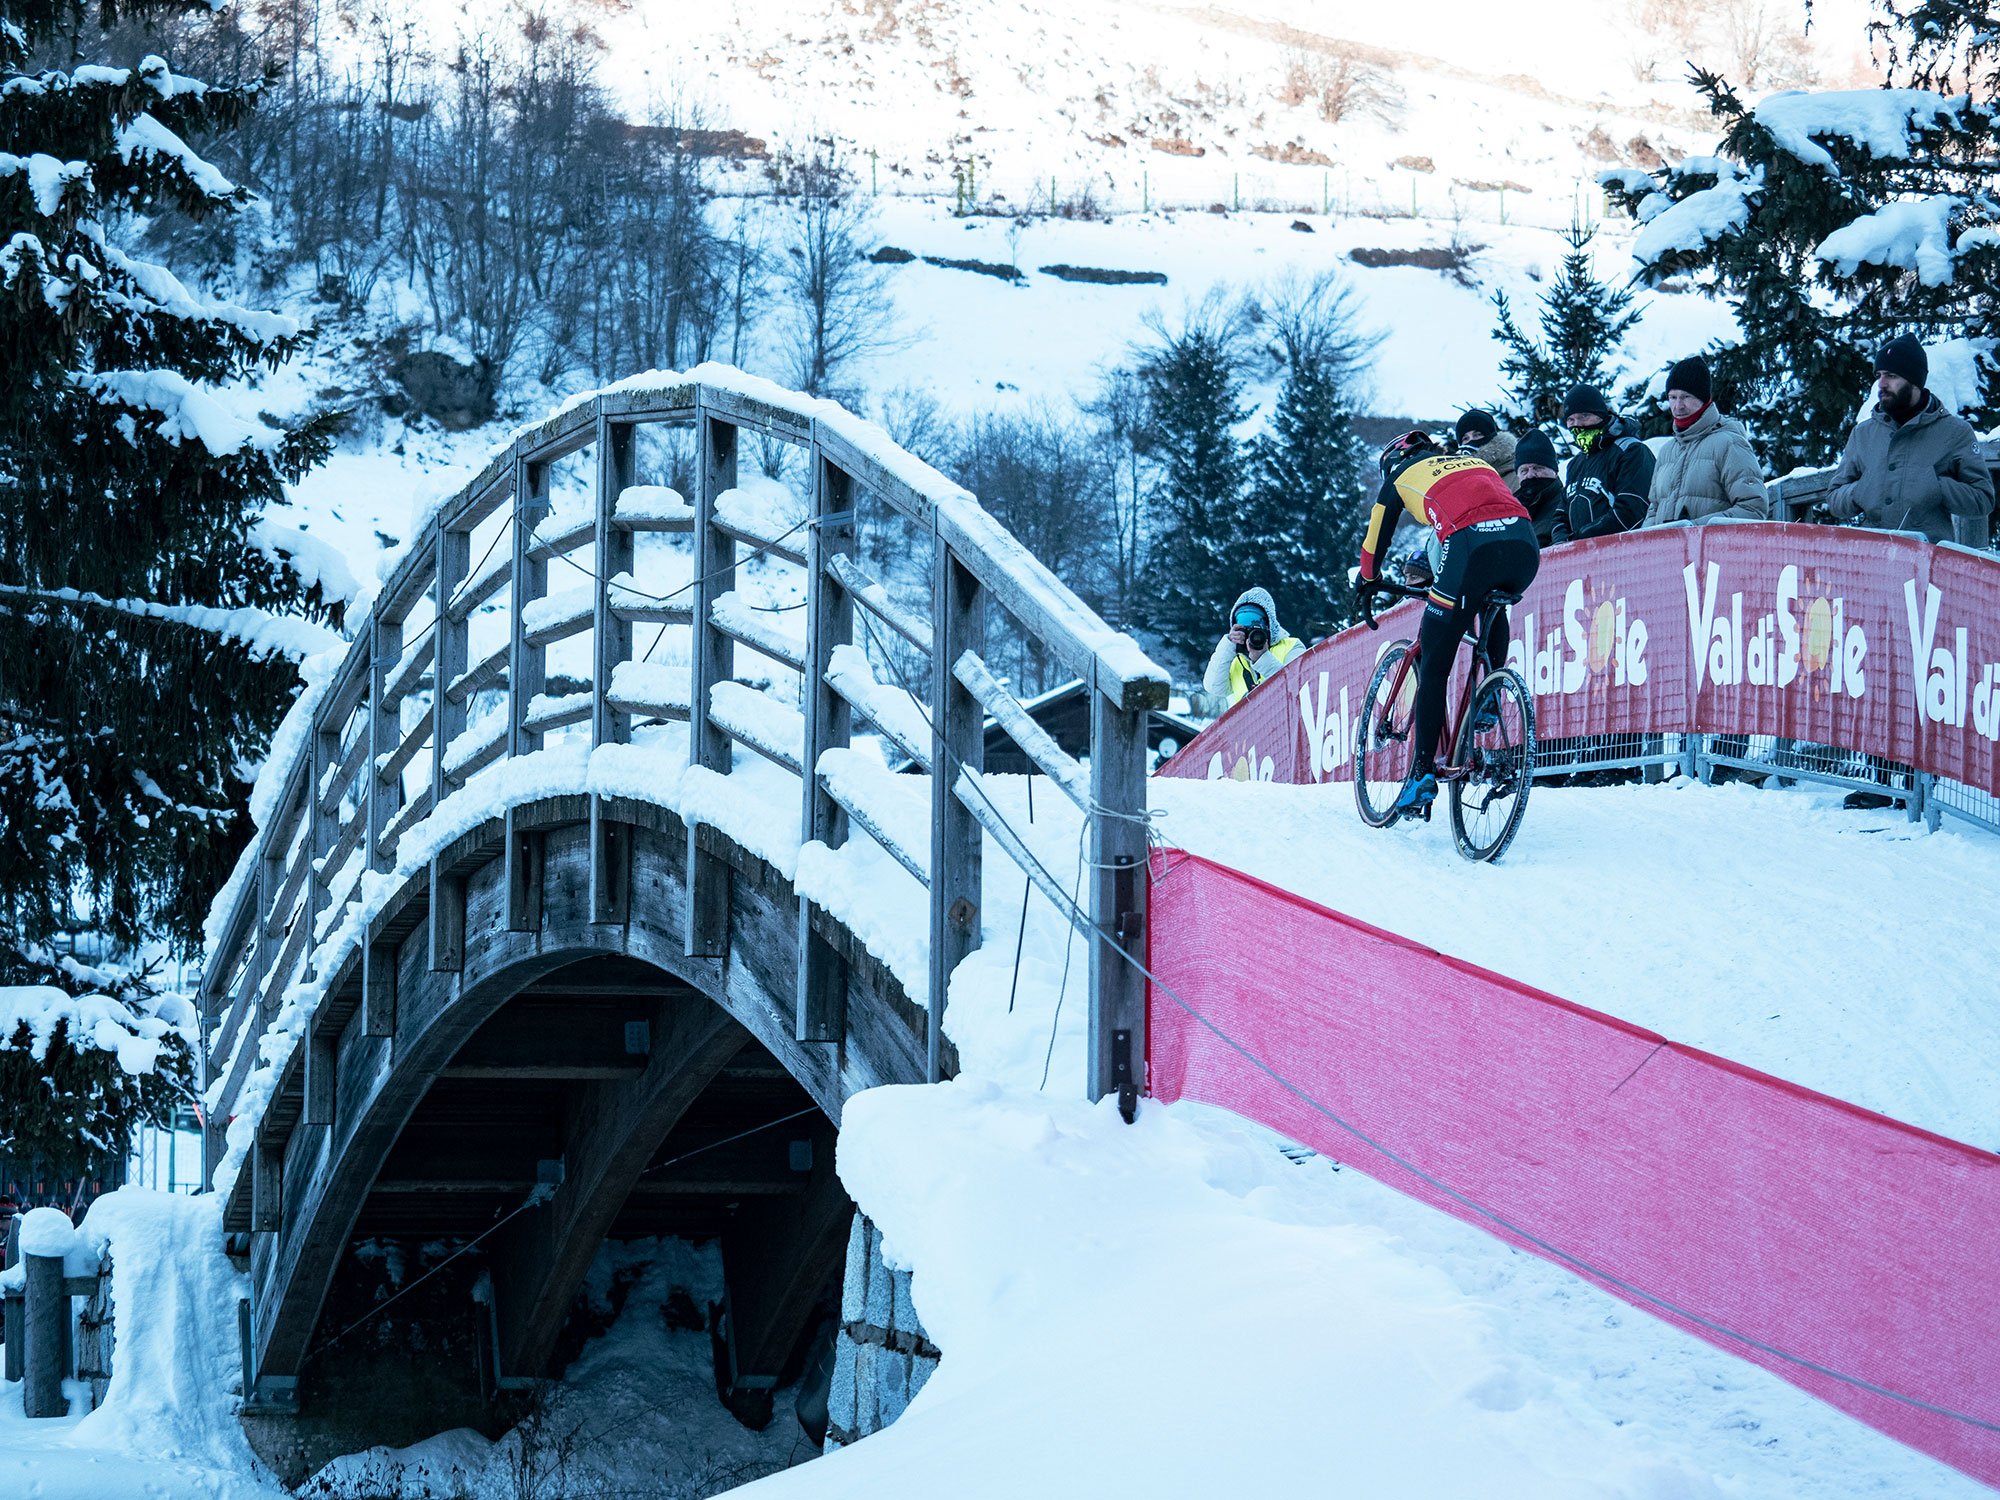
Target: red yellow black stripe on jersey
<point>1447,493</point>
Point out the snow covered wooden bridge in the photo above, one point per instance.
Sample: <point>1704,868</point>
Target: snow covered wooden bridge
<point>534,916</point>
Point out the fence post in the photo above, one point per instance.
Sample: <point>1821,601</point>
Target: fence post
<point>13,1312</point>
<point>449,649</point>
<point>1118,877</point>
<point>47,1337</point>
<point>822,989</point>
<point>958,739</point>
<point>714,659</point>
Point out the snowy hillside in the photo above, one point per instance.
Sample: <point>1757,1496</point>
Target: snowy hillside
<point>1295,102</point>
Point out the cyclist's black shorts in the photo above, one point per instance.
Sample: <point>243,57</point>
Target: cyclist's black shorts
<point>1486,555</point>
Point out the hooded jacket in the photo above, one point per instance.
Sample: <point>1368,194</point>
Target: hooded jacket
<point>1705,471</point>
<point>1914,475</point>
<point>1498,451</point>
<point>1605,489</point>
<point>1232,673</point>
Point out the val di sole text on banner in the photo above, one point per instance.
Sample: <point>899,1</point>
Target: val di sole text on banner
<point>1799,1223</point>
<point>1875,643</point>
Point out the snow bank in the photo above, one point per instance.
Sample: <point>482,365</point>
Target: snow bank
<point>168,1428</point>
<point>1253,1347</point>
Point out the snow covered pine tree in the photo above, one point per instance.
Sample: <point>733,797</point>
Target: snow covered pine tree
<point>149,627</point>
<point>1832,220</point>
<point>1584,321</point>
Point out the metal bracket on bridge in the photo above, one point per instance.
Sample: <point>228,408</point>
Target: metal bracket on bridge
<point>263,1395</point>
<point>1121,1074</point>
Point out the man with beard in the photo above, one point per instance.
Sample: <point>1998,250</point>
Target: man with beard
<point>1912,465</point>
<point>1539,483</point>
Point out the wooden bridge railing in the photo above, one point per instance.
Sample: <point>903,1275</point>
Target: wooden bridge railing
<point>449,674</point>
<point>1795,495</point>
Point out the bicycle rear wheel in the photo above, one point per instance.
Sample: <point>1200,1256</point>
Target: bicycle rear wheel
<point>1490,798</point>
<point>1382,739</point>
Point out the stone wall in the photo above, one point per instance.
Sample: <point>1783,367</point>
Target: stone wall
<point>881,1355</point>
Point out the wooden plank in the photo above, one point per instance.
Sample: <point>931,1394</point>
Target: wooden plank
<point>918,751</point>
<point>916,501</point>
<point>759,416</point>
<point>446,921</point>
<point>1063,769</point>
<point>378,990</point>
<point>714,661</point>
<point>874,598</point>
<point>491,488</point>
<point>1048,609</point>
<point>489,671</point>
<point>46,1337</point>
<point>522,857</point>
<point>407,748</point>
<point>1117,901</point>
<point>325,746</point>
<point>574,618</point>
<point>858,813</point>
<point>610,865</point>
<point>267,1166</point>
<point>471,593</point>
<point>788,549</point>
<point>752,735</point>
<point>414,811</point>
<point>548,714</point>
<point>822,992</point>
<point>560,541</point>
<point>346,766</point>
<point>747,625</point>
<point>469,757</point>
<point>322,1077</point>
<point>412,671</point>
<point>958,743</point>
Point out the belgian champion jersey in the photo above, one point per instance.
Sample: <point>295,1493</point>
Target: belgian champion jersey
<point>1448,493</point>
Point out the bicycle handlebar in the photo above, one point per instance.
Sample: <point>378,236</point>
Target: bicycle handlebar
<point>1387,586</point>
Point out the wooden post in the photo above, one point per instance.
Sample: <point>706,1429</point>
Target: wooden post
<point>446,918</point>
<point>267,1177</point>
<point>714,660</point>
<point>325,827</point>
<point>822,995</point>
<point>449,654</point>
<point>526,664</point>
<point>46,1337</point>
<point>1117,902</point>
<point>958,739</point>
<point>13,1310</point>
<point>384,731</point>
<point>322,1076</point>
<point>610,846</point>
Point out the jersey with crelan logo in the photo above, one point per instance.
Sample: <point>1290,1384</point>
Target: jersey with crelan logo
<point>1447,493</point>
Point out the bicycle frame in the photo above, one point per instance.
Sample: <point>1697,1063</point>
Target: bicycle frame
<point>1476,669</point>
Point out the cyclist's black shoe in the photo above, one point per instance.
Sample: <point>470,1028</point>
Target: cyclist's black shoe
<point>1418,793</point>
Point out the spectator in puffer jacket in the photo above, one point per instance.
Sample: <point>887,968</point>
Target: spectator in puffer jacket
<point>1539,483</point>
<point>1605,486</point>
<point>1912,465</point>
<point>1479,436</point>
<point>1708,470</point>
<point>1254,647</point>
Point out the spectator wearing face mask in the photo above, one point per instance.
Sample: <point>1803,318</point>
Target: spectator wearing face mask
<point>1708,470</point>
<point>1254,647</point>
<point>1608,481</point>
<point>1479,435</point>
<point>1911,465</point>
<point>1538,483</point>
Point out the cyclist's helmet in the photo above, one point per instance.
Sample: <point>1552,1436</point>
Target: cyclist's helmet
<point>1406,449</point>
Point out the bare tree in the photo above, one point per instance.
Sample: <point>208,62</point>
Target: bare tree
<point>840,306</point>
<point>1757,44</point>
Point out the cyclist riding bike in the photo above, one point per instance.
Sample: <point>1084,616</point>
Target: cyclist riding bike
<point>1487,542</point>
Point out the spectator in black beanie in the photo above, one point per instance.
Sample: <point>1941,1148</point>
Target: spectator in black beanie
<point>1540,486</point>
<point>1607,483</point>
<point>1912,465</point>
<point>1479,435</point>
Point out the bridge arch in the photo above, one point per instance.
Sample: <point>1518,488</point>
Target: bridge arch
<point>496,796</point>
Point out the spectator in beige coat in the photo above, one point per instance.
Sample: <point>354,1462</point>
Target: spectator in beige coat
<point>1707,470</point>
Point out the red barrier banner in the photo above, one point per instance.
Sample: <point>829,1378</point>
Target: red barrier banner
<point>1829,635</point>
<point>1844,1251</point>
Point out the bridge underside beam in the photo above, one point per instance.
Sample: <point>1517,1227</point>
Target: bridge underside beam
<point>611,1131</point>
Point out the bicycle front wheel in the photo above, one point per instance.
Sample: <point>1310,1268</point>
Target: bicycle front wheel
<point>1382,739</point>
<point>1494,752</point>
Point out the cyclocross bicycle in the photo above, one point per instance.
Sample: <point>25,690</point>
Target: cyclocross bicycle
<point>1491,732</point>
